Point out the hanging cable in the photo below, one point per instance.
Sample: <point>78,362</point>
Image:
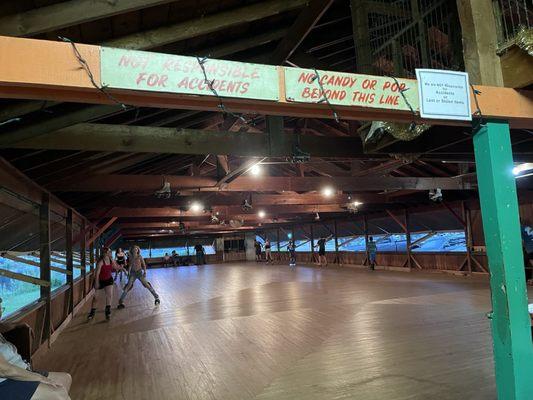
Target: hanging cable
<point>87,69</point>
<point>221,105</point>
<point>413,124</point>
<point>478,114</point>
<point>324,98</point>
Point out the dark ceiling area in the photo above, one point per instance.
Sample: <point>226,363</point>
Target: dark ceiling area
<point>379,168</point>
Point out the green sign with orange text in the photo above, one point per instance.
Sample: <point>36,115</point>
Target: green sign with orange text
<point>304,86</point>
<point>139,70</point>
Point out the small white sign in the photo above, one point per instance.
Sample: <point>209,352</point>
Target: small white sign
<point>444,94</point>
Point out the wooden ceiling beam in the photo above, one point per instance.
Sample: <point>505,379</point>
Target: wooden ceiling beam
<point>206,24</point>
<point>304,23</point>
<point>378,7</point>
<point>357,184</point>
<point>232,212</point>
<point>325,128</point>
<point>249,42</point>
<point>181,31</point>
<point>380,169</point>
<point>69,13</point>
<point>143,183</point>
<point>214,199</point>
<point>126,138</point>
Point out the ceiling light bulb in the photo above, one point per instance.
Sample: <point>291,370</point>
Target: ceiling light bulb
<point>196,207</point>
<point>327,191</point>
<point>261,214</point>
<point>255,170</point>
<point>356,203</point>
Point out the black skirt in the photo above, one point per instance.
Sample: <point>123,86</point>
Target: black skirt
<point>105,282</point>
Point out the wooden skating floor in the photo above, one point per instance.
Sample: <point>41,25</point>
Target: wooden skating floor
<point>251,331</point>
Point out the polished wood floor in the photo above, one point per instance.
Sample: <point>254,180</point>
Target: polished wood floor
<point>248,331</point>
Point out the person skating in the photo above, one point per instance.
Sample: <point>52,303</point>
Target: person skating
<point>200,254</point>
<point>292,253</point>
<point>257,246</point>
<point>103,280</point>
<point>321,244</point>
<point>372,250</point>
<point>268,252</point>
<point>120,259</point>
<point>137,271</point>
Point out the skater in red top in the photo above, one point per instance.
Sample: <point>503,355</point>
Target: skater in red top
<point>103,279</point>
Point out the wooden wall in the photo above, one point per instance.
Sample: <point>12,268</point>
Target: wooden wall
<point>33,314</point>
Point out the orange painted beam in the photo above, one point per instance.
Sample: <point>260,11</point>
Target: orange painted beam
<point>46,70</point>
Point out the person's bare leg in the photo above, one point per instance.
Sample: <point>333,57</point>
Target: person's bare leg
<point>63,378</point>
<point>48,392</point>
<point>94,300</point>
<point>108,295</point>
<point>108,299</point>
<point>149,286</point>
<point>94,303</point>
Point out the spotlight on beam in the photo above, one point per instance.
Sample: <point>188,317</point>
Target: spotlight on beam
<point>196,207</point>
<point>261,214</point>
<point>353,206</point>
<point>519,169</point>
<point>256,170</point>
<point>327,191</point>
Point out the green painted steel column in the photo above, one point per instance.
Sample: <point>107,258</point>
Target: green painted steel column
<point>511,332</point>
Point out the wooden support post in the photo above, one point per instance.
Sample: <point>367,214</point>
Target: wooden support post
<point>274,126</point>
<point>361,36</point>
<point>92,260</point>
<point>480,42</point>
<point>337,259</point>
<point>468,235</point>
<point>498,18</point>
<point>293,237</point>
<point>69,260</point>
<point>415,10</point>
<point>397,58</point>
<point>83,257</point>
<point>365,228</point>
<point>311,230</point>
<point>278,244</point>
<point>511,324</point>
<point>408,239</point>
<point>92,256</point>
<point>44,255</point>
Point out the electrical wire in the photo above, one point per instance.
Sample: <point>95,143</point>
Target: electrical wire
<point>221,105</point>
<point>413,123</point>
<point>87,69</point>
<point>324,96</point>
<point>478,114</point>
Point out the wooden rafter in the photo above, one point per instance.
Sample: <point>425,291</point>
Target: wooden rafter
<point>73,12</point>
<point>124,138</point>
<point>207,24</point>
<point>304,23</point>
<point>266,183</point>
